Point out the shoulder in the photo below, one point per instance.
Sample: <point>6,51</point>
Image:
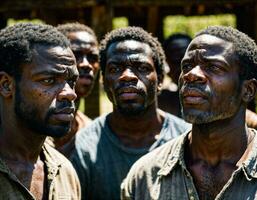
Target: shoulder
<point>92,131</point>
<point>157,158</point>
<point>82,120</point>
<point>144,173</point>
<point>66,179</point>
<point>251,119</point>
<point>177,123</point>
<point>175,119</point>
<point>56,158</point>
<point>87,141</point>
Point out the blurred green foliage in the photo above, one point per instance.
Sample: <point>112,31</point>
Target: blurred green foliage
<point>119,22</point>
<point>184,24</point>
<point>12,21</point>
<point>193,24</point>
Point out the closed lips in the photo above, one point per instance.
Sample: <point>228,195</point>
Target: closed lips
<point>193,93</point>
<point>128,90</point>
<point>66,110</point>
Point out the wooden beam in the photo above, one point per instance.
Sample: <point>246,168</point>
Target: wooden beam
<point>55,4</point>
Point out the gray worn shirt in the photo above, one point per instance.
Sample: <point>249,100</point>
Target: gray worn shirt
<point>102,161</point>
<point>162,175</point>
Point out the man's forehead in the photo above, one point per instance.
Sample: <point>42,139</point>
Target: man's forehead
<point>82,37</point>
<point>206,41</point>
<point>54,53</point>
<point>129,46</point>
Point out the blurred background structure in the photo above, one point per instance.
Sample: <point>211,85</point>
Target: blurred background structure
<point>161,17</point>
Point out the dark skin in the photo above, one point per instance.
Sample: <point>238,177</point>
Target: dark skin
<point>214,100</point>
<point>174,54</point>
<point>85,48</point>
<point>132,83</point>
<point>46,84</point>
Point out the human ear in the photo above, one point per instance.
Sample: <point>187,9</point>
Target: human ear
<point>6,84</point>
<point>249,89</point>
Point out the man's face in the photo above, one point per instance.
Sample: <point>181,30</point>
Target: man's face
<point>85,49</point>
<point>130,77</point>
<point>209,83</point>
<point>45,94</point>
<point>174,54</point>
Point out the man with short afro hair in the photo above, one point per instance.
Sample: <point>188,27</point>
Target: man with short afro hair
<point>20,40</point>
<point>132,62</point>
<point>133,33</point>
<point>37,77</point>
<point>217,158</point>
<point>247,57</point>
<point>244,48</point>
<point>68,28</point>
<point>84,45</point>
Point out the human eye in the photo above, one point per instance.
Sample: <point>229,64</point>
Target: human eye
<point>92,58</point>
<point>71,83</point>
<point>77,54</point>
<point>144,68</point>
<point>186,67</point>
<point>114,68</point>
<point>48,81</point>
<point>214,68</point>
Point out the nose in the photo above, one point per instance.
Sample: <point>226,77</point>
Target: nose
<point>128,75</point>
<point>67,93</point>
<point>195,74</point>
<point>83,62</point>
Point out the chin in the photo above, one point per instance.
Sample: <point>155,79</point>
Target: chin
<point>131,111</point>
<point>58,131</point>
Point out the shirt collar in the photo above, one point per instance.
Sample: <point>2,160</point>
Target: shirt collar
<point>51,160</point>
<point>249,166</point>
<point>176,155</point>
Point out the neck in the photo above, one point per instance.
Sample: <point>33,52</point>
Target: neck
<point>19,144</point>
<point>137,131</point>
<point>223,140</point>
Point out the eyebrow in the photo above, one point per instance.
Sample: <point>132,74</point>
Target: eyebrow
<point>206,58</point>
<point>51,72</point>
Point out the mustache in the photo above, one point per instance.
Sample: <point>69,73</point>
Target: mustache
<point>62,107</point>
<point>84,72</point>
<point>128,87</point>
<point>197,88</point>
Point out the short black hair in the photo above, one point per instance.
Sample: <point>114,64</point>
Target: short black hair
<point>173,37</point>
<point>18,41</point>
<point>245,48</point>
<point>133,33</point>
<point>75,27</point>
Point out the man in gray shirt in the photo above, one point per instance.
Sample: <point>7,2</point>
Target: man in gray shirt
<point>132,66</point>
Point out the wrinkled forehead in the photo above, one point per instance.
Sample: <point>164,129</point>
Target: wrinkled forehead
<point>209,45</point>
<point>82,38</point>
<point>54,58</point>
<point>129,47</point>
<point>54,53</point>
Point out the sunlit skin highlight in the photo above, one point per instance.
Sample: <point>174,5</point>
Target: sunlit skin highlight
<point>131,83</point>
<point>213,98</point>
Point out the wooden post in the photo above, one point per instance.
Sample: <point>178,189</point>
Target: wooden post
<point>152,19</point>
